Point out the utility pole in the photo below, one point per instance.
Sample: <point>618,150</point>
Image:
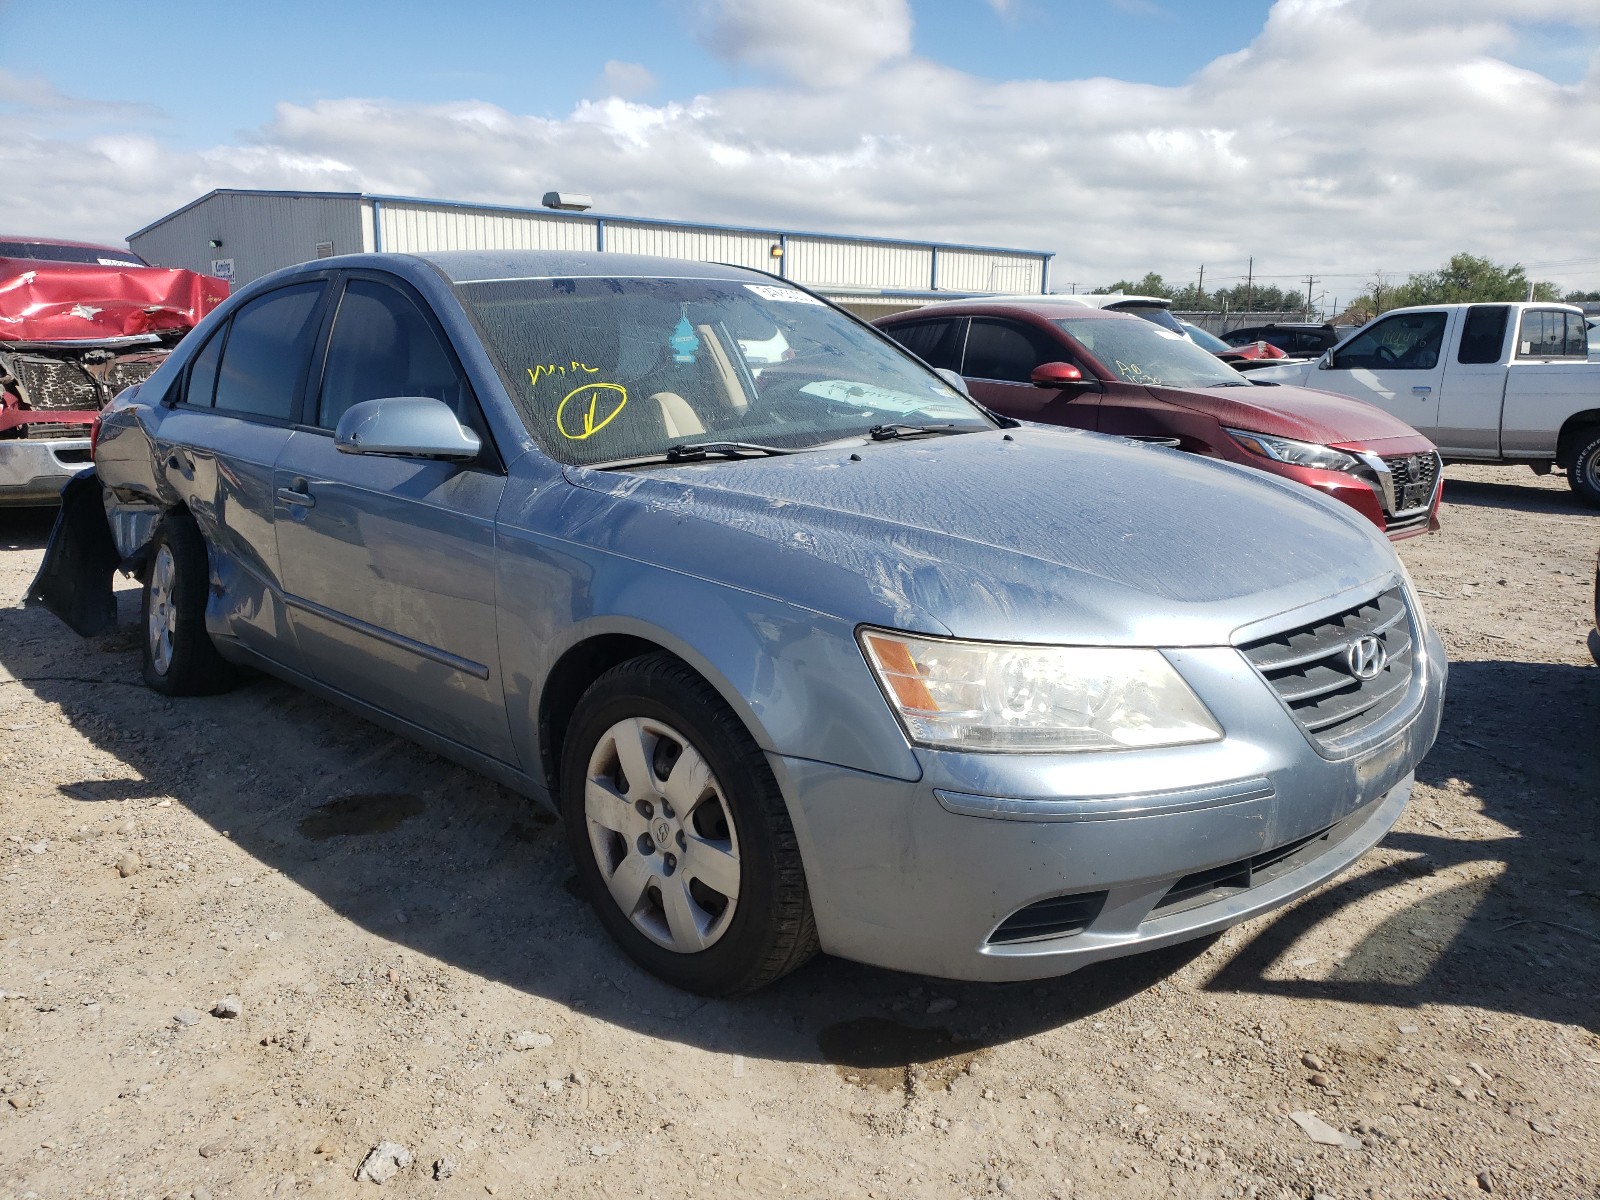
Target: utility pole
<point>1249,285</point>
<point>1310,279</point>
<point>1200,288</point>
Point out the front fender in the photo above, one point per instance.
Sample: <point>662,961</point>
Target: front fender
<point>795,677</point>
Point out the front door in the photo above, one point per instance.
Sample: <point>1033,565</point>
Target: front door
<point>998,368</point>
<point>1396,363</point>
<point>388,563</point>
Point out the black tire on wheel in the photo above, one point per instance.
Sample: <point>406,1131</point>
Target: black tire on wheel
<point>1583,476</point>
<point>180,658</point>
<point>731,830</point>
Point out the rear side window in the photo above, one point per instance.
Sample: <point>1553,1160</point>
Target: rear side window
<point>269,345</point>
<point>203,371</point>
<point>1548,334</point>
<point>382,345</point>
<point>1006,352</point>
<point>1484,333</point>
<point>937,343</point>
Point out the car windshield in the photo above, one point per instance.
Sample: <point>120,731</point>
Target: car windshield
<point>1141,352</point>
<point>103,256</point>
<point>605,370</point>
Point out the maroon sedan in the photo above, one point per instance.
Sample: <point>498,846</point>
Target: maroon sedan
<point>1063,364</point>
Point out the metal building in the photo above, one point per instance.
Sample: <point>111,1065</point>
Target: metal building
<point>242,235</point>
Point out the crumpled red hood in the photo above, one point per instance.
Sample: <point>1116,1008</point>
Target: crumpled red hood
<point>72,302</point>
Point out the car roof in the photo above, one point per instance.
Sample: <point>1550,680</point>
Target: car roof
<point>1044,306</point>
<point>44,241</point>
<point>469,266</point>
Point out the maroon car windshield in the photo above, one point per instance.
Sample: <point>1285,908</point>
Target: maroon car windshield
<point>1143,352</point>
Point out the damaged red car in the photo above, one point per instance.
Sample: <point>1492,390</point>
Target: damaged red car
<point>78,323</point>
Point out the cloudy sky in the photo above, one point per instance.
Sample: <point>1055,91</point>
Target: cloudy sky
<point>1332,137</point>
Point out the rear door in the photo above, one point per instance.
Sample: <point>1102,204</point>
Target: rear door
<point>218,447</point>
<point>389,562</point>
<point>998,367</point>
<point>1396,363</point>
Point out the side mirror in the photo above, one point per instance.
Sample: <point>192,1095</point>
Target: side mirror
<point>1325,363</point>
<point>1057,375</point>
<point>954,380</point>
<point>406,427</point>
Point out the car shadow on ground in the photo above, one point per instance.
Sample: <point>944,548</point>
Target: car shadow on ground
<point>26,528</point>
<point>439,861</point>
<point>1514,497</point>
<point>1521,742</point>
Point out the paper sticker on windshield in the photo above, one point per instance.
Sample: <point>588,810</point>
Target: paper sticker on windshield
<point>586,410</point>
<point>782,294</point>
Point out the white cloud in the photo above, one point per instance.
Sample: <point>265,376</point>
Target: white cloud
<point>1345,138</point>
<point>821,43</point>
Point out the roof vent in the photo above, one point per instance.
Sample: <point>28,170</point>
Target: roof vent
<point>570,201</point>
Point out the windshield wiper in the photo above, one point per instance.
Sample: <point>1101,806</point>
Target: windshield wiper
<point>882,433</point>
<point>695,451</point>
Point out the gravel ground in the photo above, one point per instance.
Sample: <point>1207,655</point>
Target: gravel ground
<point>404,962</point>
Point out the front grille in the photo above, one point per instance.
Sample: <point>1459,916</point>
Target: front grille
<point>53,383</point>
<point>1310,670</point>
<point>1218,883</point>
<point>1414,477</point>
<point>1055,917</point>
<point>47,383</point>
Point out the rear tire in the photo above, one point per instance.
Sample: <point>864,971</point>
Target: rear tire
<point>1583,476</point>
<point>180,658</point>
<point>681,838</point>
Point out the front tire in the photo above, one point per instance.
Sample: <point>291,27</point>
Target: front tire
<point>180,658</point>
<point>1583,476</point>
<point>680,835</point>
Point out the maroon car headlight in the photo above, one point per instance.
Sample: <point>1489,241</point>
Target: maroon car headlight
<point>1301,454</point>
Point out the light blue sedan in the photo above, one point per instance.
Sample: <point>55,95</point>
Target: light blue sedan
<point>806,649</point>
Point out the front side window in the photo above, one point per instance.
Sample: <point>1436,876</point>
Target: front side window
<point>1146,353</point>
<point>1003,351</point>
<point>607,370</point>
<point>1548,333</point>
<point>269,345</point>
<point>1404,342</point>
<point>382,345</point>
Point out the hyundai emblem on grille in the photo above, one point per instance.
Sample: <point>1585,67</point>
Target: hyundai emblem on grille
<point>1366,657</point>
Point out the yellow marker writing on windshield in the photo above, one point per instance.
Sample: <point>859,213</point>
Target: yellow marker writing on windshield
<point>554,369</point>
<point>586,410</point>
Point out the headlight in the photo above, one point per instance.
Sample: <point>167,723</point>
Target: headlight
<point>1303,454</point>
<point>992,696</point>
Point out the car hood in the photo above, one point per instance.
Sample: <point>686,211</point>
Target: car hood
<point>1302,413</point>
<point>74,303</point>
<point>1032,535</point>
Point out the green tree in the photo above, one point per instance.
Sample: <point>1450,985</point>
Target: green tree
<point>1582,297</point>
<point>1151,285</point>
<point>1465,279</point>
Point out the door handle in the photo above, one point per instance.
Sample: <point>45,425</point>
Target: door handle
<point>298,493</point>
<point>1421,389</point>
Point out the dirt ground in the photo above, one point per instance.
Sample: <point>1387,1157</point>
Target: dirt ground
<point>409,966</point>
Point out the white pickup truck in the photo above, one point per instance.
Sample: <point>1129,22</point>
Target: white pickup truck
<point>1487,382</point>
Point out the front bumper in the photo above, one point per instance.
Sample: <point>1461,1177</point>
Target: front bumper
<point>926,876</point>
<point>34,471</point>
